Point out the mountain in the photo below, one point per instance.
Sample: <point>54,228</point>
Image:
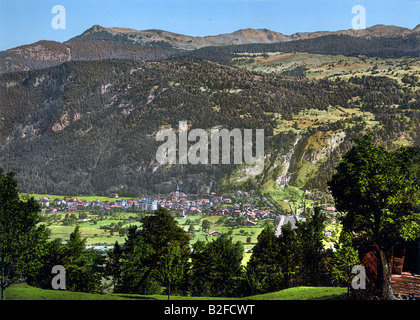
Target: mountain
<point>99,43</point>
<point>247,36</point>
<point>378,31</point>
<point>44,54</point>
<point>88,126</point>
<point>146,37</point>
<point>179,41</point>
<point>416,29</point>
<point>244,36</point>
<point>85,126</point>
<point>81,117</point>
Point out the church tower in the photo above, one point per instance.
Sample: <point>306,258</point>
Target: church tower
<point>177,191</point>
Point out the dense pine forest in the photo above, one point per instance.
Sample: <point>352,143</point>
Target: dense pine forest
<point>85,127</point>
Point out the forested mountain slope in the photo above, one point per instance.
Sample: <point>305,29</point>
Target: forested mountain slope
<point>82,127</point>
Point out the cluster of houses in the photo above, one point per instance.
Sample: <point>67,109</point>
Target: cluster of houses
<point>212,204</point>
<point>73,204</point>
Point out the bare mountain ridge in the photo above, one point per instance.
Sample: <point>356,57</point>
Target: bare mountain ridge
<point>243,36</point>
<point>379,30</point>
<point>180,41</point>
<point>44,53</point>
<point>98,43</point>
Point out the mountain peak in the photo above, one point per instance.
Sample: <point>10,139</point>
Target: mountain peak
<point>246,36</point>
<point>94,28</point>
<point>416,29</point>
<point>387,30</point>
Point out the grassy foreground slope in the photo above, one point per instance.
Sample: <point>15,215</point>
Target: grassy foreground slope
<point>304,293</point>
<point>25,292</point>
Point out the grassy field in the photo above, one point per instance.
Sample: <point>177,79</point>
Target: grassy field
<point>304,293</point>
<point>25,292</point>
<point>321,66</point>
<point>91,230</point>
<point>87,198</point>
<point>280,194</point>
<point>313,118</point>
<point>95,235</point>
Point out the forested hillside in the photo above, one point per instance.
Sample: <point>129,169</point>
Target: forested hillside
<point>329,44</point>
<point>83,127</point>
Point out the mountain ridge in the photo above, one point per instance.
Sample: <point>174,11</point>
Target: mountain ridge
<point>241,36</point>
<point>99,43</point>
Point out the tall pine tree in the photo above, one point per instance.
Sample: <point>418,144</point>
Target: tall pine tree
<point>22,242</point>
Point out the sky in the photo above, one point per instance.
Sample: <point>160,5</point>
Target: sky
<point>27,21</point>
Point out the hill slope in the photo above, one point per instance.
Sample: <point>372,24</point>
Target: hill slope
<point>90,126</point>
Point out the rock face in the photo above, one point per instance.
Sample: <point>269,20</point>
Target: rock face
<point>327,145</point>
<point>313,149</point>
<point>62,123</point>
<point>287,166</point>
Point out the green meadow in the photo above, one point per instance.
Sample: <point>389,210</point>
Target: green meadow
<point>26,292</point>
<point>53,197</point>
<point>95,230</point>
<point>320,66</point>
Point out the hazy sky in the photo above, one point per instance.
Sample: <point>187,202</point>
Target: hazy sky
<point>27,21</point>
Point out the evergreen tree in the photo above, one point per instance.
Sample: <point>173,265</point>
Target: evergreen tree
<point>289,256</point>
<point>216,267</point>
<point>113,265</point>
<point>172,266</point>
<point>265,260</point>
<point>345,258</point>
<point>252,279</point>
<point>135,263</point>
<point>379,193</point>
<point>54,255</point>
<point>82,273</point>
<point>22,242</point>
<point>310,234</point>
<point>159,231</point>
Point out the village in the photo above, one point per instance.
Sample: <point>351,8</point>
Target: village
<point>213,204</point>
<point>238,204</point>
<point>240,215</point>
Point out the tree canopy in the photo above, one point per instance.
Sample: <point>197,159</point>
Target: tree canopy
<point>22,242</point>
<point>378,192</point>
